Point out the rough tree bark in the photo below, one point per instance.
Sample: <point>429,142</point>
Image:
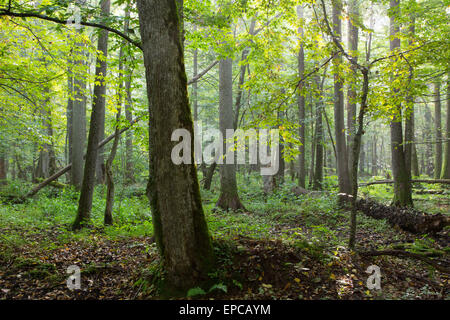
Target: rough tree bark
<point>180,228</point>
<point>97,116</point>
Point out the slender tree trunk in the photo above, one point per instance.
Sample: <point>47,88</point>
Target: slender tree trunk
<point>3,167</point>
<point>352,41</point>
<point>108,217</point>
<point>402,185</point>
<point>301,107</point>
<point>97,117</point>
<point>374,157</point>
<point>209,175</point>
<point>438,127</point>
<point>129,166</point>
<point>428,163</point>
<point>318,172</point>
<point>341,148</point>
<point>180,228</point>
<point>244,67</point>
<point>410,120</point>
<point>279,176</point>
<point>445,174</point>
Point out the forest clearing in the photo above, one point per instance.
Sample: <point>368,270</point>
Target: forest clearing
<point>225,150</point>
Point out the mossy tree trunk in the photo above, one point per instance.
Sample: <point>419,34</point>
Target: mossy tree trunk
<point>180,228</point>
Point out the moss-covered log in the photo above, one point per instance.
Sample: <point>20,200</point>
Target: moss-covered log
<point>407,219</point>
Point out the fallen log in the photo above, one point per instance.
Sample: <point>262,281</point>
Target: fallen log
<point>438,265</point>
<point>67,168</point>
<point>431,181</point>
<point>407,219</point>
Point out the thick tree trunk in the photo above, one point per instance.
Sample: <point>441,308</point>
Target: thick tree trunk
<point>97,117</point>
<point>438,128</point>
<point>301,108</point>
<point>341,148</point>
<point>181,232</point>
<point>445,174</point>
<point>402,185</point>
<point>229,198</point>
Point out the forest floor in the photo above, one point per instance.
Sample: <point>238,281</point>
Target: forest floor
<point>284,247</point>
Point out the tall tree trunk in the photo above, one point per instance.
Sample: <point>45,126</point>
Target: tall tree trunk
<point>180,228</point>
<point>402,178</point>
<point>352,41</point>
<point>410,120</point>
<point>445,174</point>
<point>229,198</point>
<point>108,217</point>
<point>301,107</point>
<point>97,117</point>
<point>438,128</point>
<point>339,127</point>
<point>374,156</point>
<point>69,112</point>
<point>129,162</point>
<point>100,101</point>
<point>78,117</point>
